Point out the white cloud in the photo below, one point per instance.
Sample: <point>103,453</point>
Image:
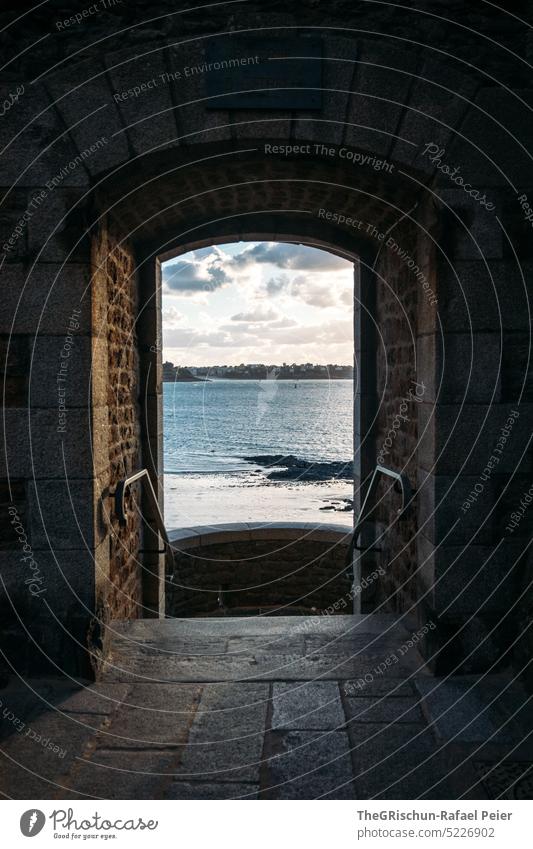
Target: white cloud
<point>195,275</point>
<point>258,314</point>
<point>276,285</point>
<point>172,317</point>
<point>315,292</point>
<point>221,303</point>
<point>295,257</point>
<point>282,323</point>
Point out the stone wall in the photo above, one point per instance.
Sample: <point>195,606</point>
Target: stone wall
<point>259,573</point>
<point>398,395</point>
<point>390,91</point>
<point>119,595</point>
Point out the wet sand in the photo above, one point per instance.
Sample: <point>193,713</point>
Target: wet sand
<point>217,499</point>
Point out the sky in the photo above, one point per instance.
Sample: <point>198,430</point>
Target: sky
<point>257,302</point>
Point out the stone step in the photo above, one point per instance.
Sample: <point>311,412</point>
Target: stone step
<point>368,623</point>
<point>261,649</point>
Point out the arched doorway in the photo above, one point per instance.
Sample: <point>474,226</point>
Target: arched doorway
<point>228,196</point>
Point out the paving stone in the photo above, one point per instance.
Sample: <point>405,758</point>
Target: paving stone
<point>249,626</point>
<point>122,775</point>
<point>383,710</point>
<point>399,761</point>
<point>310,765</point>
<point>352,647</point>
<point>337,646</point>
<point>197,790</point>
<point>507,780</point>
<point>378,687</point>
<point>134,664</point>
<point>226,739</point>
<point>198,734</point>
<point>158,714</point>
<point>178,646</point>
<point>18,706</point>
<point>94,698</point>
<point>269,643</point>
<point>267,667</point>
<point>37,759</point>
<point>208,759</point>
<point>307,706</point>
<point>227,710</point>
<point>461,710</point>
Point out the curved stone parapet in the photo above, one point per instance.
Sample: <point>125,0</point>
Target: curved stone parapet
<point>238,568</point>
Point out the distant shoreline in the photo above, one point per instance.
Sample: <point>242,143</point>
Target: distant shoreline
<point>256,379</point>
<point>188,380</point>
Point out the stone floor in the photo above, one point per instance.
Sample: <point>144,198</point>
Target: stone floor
<point>275,708</point>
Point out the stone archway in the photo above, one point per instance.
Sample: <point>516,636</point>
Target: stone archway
<point>161,174</point>
<point>311,200</point>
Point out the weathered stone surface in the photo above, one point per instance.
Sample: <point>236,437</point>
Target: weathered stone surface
<point>310,765</point>
<point>440,504</point>
<point>258,572</point>
<point>53,453</point>
<point>84,99</point>
<point>122,775</point>
<point>149,116</point>
<point>381,82</point>
<point>208,759</point>
<point>228,710</point>
<point>471,577</point>
<point>63,515</point>
<point>38,758</point>
<point>203,791</point>
<point>306,706</point>
<point>40,300</point>
<point>436,105</point>
<point>337,75</point>
<point>493,131</point>
<point>399,761</point>
<point>461,367</point>
<point>158,715</point>
<point>242,740</point>
<point>477,296</point>
<point>392,687</point>
<point>386,709</point>
<point>466,711</point>
<point>462,437</point>
<point>475,232</point>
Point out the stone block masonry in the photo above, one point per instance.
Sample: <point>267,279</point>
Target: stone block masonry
<point>301,575</point>
<point>119,595</point>
<point>175,175</point>
<point>396,318</point>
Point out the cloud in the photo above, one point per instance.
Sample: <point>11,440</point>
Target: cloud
<point>276,285</point>
<point>187,338</point>
<point>288,256</point>
<point>210,251</point>
<point>258,314</point>
<point>190,277</point>
<point>278,301</point>
<point>172,317</point>
<point>314,292</point>
<point>282,323</point>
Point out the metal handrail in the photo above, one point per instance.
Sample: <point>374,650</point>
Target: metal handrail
<point>366,509</point>
<point>402,484</point>
<point>120,506</point>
